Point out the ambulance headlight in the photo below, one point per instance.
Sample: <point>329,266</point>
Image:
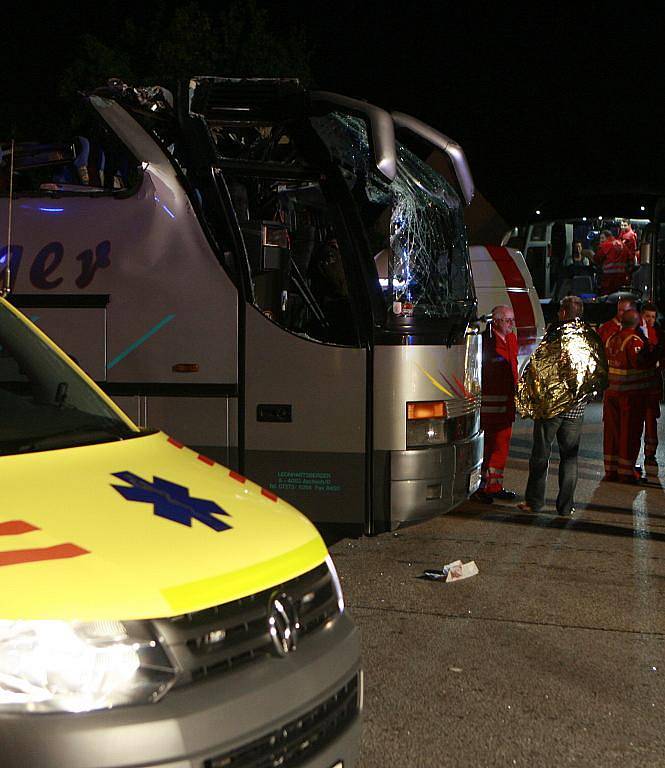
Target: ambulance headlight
<point>60,666</point>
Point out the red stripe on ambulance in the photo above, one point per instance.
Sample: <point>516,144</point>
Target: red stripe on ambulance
<point>58,552</point>
<point>16,527</point>
<point>525,319</point>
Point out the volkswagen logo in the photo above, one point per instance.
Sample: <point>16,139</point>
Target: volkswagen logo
<point>283,623</point>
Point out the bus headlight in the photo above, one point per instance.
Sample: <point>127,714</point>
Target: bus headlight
<point>425,423</point>
<point>60,666</point>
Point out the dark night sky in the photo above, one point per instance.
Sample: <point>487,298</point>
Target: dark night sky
<point>543,100</point>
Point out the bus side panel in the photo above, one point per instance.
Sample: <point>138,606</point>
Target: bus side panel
<point>305,421</point>
<point>203,423</point>
<point>172,317</point>
<point>422,481</point>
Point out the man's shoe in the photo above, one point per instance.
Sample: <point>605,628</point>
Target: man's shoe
<point>523,506</point>
<point>504,495</point>
<point>482,497</point>
<point>566,514</point>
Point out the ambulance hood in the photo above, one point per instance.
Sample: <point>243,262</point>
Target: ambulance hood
<point>140,528</point>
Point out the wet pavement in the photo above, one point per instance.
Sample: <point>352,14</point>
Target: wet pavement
<point>553,655</point>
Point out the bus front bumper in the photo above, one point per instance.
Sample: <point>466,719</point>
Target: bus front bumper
<point>430,481</point>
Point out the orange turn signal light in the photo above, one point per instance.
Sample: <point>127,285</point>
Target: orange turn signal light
<point>426,410</point>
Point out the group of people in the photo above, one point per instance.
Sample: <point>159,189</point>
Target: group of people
<point>615,260</point>
<point>634,347</point>
<point>616,257</point>
<point>631,405</point>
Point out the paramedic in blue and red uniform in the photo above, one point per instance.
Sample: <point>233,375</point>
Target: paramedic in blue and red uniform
<point>654,336</point>
<point>616,264</point>
<point>612,326</point>
<point>497,412</point>
<point>630,358</point>
<point>628,237</point>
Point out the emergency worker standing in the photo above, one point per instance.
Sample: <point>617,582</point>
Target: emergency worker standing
<point>629,357</point>
<point>497,411</point>
<point>615,262</point>
<point>612,326</point>
<point>654,336</point>
<point>628,237</point>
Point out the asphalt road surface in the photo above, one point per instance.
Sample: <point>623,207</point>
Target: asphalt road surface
<point>554,655</point>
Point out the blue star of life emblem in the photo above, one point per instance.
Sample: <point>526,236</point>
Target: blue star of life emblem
<point>171,501</point>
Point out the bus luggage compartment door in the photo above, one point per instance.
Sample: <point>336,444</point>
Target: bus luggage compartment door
<point>305,420</point>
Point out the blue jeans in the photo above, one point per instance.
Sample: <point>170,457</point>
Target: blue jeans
<point>567,433</point>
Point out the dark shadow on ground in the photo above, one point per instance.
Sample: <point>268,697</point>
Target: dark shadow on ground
<point>334,532</point>
<point>593,507</point>
<point>545,520</point>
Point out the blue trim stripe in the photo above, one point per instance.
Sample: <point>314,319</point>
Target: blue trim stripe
<point>140,341</point>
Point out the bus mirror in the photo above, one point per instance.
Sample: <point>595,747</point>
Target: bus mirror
<point>451,148</point>
<point>381,131</point>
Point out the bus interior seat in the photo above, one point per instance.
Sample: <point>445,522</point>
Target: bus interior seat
<point>583,285</point>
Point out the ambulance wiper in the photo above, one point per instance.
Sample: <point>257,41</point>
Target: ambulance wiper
<point>85,434</point>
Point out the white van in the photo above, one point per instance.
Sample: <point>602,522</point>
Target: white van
<point>500,276</point>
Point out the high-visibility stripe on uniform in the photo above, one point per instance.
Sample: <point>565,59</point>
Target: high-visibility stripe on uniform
<point>614,268</point>
<point>629,379</point>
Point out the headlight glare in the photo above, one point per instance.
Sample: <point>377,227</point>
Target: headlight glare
<point>56,666</point>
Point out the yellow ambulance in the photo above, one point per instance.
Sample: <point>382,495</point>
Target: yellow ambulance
<point>158,609</point>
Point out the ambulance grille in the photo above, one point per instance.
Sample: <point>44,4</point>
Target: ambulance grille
<point>299,740</point>
<point>222,638</point>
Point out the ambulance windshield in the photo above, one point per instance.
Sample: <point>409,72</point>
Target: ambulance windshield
<point>44,403</point>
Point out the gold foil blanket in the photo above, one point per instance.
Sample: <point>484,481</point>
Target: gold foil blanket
<point>568,366</point>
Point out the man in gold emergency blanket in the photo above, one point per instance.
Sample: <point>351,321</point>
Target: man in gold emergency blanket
<point>568,368</point>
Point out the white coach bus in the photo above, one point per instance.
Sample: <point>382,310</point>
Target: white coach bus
<point>269,275</point>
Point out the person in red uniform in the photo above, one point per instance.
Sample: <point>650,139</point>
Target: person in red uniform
<point>628,237</point>
<point>497,411</point>
<point>615,262</point>
<point>613,325</point>
<point>630,358</point>
<point>654,336</point>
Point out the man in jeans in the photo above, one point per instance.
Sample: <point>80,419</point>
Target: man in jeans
<point>567,428</point>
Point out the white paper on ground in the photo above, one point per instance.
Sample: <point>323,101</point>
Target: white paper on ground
<point>457,570</point>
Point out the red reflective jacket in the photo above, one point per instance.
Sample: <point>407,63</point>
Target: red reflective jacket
<point>617,265</point>
<point>629,242</point>
<point>629,367</point>
<point>499,380</point>
<point>608,329</point>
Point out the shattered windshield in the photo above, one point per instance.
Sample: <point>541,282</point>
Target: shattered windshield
<point>415,225</point>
